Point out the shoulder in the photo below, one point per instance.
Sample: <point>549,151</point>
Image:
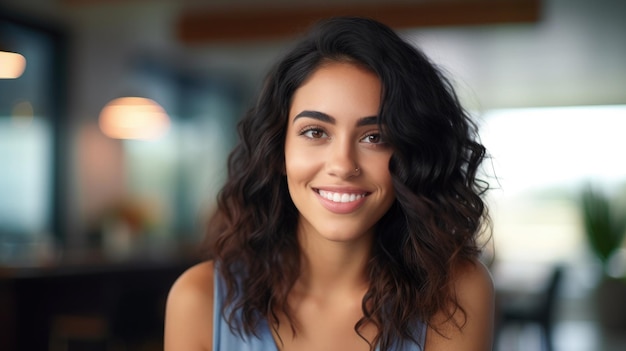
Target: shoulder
<point>197,279</point>
<point>473,286</point>
<point>189,310</point>
<point>473,283</point>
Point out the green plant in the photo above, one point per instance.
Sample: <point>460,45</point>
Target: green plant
<point>604,224</point>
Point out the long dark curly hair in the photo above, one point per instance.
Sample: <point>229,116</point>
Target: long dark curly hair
<point>430,229</point>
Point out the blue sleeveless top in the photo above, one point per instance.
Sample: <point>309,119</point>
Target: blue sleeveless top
<point>225,340</point>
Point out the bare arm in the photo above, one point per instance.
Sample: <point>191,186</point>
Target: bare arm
<point>475,293</point>
<point>189,311</point>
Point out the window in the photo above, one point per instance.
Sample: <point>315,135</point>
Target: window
<point>176,177</point>
<point>31,126</point>
<point>542,158</point>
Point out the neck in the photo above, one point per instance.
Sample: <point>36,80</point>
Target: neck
<point>330,266</point>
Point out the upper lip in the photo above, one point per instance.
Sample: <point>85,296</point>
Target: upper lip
<point>341,189</point>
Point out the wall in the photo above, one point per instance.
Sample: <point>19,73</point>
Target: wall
<point>573,56</point>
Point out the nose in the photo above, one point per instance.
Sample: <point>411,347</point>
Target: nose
<point>341,160</point>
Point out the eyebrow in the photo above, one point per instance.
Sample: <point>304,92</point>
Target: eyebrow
<point>321,116</point>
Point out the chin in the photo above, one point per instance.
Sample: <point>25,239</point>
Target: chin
<point>343,235</point>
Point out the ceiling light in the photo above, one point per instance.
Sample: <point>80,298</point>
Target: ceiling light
<point>133,118</point>
<point>12,65</point>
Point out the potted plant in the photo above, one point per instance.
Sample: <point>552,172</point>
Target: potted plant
<point>605,227</point>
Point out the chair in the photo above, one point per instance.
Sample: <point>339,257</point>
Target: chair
<point>538,309</point>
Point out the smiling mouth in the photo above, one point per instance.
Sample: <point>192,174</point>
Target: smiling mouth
<point>340,197</point>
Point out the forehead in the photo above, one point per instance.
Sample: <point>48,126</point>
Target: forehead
<point>339,89</point>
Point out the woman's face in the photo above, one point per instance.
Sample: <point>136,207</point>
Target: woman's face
<point>336,163</point>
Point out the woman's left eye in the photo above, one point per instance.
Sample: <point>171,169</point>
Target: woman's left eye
<point>373,138</point>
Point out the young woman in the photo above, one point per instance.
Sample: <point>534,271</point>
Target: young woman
<point>350,216</point>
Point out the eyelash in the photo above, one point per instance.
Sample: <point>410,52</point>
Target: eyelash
<point>375,134</point>
<point>317,129</point>
<point>309,129</point>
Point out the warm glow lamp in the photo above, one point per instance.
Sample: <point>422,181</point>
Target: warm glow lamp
<point>133,118</point>
<point>12,65</point>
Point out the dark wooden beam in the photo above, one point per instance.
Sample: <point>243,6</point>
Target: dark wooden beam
<point>250,24</point>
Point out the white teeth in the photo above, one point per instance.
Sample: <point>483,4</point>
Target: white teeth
<point>340,197</point>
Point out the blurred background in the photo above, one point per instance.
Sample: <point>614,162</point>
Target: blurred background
<point>99,211</point>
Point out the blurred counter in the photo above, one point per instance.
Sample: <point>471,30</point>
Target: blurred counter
<point>127,297</point>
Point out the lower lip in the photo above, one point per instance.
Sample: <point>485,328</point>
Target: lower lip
<point>341,207</point>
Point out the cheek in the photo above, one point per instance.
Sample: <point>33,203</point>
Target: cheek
<point>298,170</point>
<point>384,177</point>
<point>297,164</point>
<point>301,160</point>
<point>382,169</point>
<point>289,156</point>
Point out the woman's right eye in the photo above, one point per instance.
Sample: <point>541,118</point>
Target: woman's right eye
<point>313,133</point>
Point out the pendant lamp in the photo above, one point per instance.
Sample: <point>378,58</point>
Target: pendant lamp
<point>133,118</point>
<point>12,65</point>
